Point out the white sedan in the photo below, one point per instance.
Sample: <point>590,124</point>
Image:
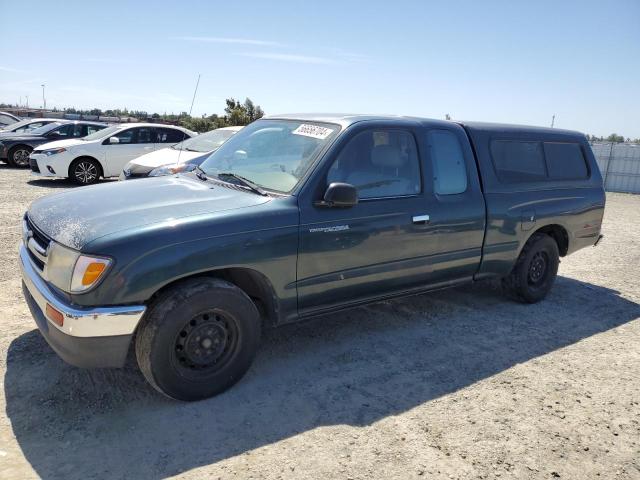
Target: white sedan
<point>104,153</point>
<point>178,157</point>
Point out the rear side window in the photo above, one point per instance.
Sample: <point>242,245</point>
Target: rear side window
<point>518,161</point>
<point>449,170</point>
<point>565,161</point>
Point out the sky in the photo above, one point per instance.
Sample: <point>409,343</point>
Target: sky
<point>491,60</point>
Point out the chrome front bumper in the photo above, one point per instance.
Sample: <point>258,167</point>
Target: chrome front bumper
<point>79,322</point>
<point>89,337</point>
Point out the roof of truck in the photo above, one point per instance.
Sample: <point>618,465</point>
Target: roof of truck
<point>511,128</point>
<point>345,119</point>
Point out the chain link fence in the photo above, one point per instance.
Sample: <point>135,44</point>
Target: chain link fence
<point>620,166</point>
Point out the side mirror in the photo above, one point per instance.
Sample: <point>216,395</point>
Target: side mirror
<point>341,195</point>
<point>114,140</point>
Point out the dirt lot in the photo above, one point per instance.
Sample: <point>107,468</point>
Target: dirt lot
<point>454,384</point>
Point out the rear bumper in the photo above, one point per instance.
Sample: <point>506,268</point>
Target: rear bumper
<point>90,338</point>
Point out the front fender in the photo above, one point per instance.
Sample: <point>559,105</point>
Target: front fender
<point>156,256</point>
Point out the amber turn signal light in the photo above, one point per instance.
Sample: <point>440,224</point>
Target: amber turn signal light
<point>55,316</point>
<point>92,273</point>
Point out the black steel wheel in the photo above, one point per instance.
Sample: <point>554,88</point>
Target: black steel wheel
<point>84,171</point>
<point>206,342</point>
<point>535,271</point>
<point>198,338</point>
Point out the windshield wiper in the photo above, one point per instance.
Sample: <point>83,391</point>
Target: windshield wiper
<point>244,182</point>
<point>200,173</point>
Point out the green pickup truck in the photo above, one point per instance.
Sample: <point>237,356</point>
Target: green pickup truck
<point>297,216</point>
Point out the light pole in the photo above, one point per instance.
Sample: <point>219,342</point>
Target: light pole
<point>44,100</point>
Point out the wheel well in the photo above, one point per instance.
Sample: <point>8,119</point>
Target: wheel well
<point>13,148</point>
<point>251,282</point>
<point>559,234</point>
<point>100,169</point>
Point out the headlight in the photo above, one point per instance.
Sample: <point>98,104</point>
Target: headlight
<point>60,263</point>
<point>72,272</point>
<point>54,151</point>
<point>171,169</point>
<point>87,272</point>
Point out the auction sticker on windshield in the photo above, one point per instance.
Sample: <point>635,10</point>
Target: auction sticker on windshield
<point>314,131</point>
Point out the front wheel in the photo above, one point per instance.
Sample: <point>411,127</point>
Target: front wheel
<point>198,339</point>
<point>19,156</point>
<point>84,171</point>
<point>535,271</point>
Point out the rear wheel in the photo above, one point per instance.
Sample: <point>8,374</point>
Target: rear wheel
<point>198,339</point>
<point>84,171</point>
<point>19,156</point>
<point>535,271</point>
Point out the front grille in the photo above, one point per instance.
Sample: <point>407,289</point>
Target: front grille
<point>34,165</point>
<point>37,243</point>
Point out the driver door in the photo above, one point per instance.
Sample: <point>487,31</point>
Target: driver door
<point>347,255</point>
<point>132,143</point>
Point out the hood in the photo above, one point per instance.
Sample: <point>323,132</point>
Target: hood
<point>61,143</point>
<point>77,217</point>
<point>164,157</point>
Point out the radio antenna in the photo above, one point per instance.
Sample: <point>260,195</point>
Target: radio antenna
<point>190,110</point>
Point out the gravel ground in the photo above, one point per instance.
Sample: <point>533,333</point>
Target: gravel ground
<point>453,384</point>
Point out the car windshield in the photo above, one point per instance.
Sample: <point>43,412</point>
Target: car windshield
<point>105,132</point>
<point>205,142</point>
<point>273,154</point>
<point>45,128</point>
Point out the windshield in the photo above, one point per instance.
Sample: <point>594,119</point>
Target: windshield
<point>105,132</point>
<point>45,128</point>
<point>273,154</point>
<point>205,142</point>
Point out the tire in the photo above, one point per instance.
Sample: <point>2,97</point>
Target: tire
<point>535,271</point>
<point>85,171</point>
<point>198,339</point>
<point>18,156</point>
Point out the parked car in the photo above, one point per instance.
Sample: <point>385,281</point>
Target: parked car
<point>293,217</point>
<point>15,149</point>
<point>103,153</point>
<point>179,157</point>
<point>26,125</point>
<point>7,119</point>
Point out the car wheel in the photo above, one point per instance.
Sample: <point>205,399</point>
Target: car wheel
<point>84,171</point>
<point>198,339</point>
<point>19,156</point>
<point>535,270</point>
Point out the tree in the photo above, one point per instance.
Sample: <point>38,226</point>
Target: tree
<point>615,138</point>
<point>242,113</point>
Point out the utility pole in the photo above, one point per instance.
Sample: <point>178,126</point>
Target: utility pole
<point>44,100</point>
<point>553,120</point>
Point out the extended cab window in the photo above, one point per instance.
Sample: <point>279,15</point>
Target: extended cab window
<point>379,163</point>
<point>518,161</point>
<point>565,161</point>
<point>449,169</point>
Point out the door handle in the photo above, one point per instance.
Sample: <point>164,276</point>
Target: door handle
<point>422,219</point>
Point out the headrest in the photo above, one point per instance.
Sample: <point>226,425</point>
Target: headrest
<point>387,156</point>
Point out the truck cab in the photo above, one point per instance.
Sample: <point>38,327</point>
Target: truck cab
<point>296,216</point>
